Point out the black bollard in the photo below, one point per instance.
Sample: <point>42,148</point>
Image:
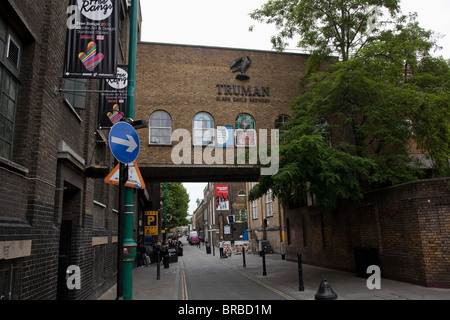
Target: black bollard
<point>325,292</point>
<point>243,257</point>
<point>300,273</point>
<point>264,262</point>
<point>158,275</point>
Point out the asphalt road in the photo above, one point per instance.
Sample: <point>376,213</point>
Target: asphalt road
<point>207,277</point>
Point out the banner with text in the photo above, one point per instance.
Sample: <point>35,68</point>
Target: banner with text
<point>222,197</point>
<point>113,99</point>
<point>92,39</point>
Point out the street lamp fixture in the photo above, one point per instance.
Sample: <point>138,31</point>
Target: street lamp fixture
<point>137,124</point>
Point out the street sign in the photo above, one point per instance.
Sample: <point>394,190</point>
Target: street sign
<point>124,142</point>
<point>151,223</point>
<point>134,177</point>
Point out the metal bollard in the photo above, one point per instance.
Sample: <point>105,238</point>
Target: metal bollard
<point>243,257</point>
<point>264,262</point>
<point>325,292</point>
<point>300,273</point>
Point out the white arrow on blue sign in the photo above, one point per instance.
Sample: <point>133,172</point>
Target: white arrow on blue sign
<point>124,142</point>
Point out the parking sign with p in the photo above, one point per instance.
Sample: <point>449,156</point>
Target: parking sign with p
<point>151,223</point>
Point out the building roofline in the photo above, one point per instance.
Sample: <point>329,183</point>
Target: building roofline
<point>222,48</point>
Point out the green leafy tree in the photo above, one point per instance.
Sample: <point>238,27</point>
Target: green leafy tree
<point>352,129</point>
<point>324,26</point>
<point>177,204</point>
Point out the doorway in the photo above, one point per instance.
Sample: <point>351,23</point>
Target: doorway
<point>70,211</point>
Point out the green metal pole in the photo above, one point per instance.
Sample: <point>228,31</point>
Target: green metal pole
<point>129,251</point>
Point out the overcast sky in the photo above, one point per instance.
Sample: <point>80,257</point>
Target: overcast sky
<point>226,23</point>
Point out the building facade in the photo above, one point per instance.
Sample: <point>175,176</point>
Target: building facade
<point>211,217</point>
<point>265,223</point>
<point>203,114</point>
<point>53,212</point>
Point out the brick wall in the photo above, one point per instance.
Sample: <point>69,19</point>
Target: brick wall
<point>182,81</point>
<point>406,225</point>
<point>36,178</point>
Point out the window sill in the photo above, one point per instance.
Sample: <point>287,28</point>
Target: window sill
<point>71,108</point>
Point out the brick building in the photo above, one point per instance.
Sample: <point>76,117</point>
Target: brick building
<point>52,214</point>
<point>180,87</point>
<point>403,229</point>
<point>210,215</point>
<point>266,223</point>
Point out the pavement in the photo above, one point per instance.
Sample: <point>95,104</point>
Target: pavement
<point>281,277</point>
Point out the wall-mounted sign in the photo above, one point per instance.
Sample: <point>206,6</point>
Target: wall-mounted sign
<point>237,93</point>
<point>92,39</point>
<point>225,137</point>
<point>151,223</point>
<point>222,197</point>
<point>241,65</point>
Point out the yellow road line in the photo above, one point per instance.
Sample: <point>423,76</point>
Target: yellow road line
<point>184,292</point>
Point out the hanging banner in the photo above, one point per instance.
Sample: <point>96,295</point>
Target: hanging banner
<point>222,198</point>
<point>92,39</point>
<point>113,105</point>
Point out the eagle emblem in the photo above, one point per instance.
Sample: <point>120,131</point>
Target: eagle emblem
<point>241,65</point>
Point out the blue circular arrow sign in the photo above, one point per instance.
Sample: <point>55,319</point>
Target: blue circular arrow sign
<point>124,142</point>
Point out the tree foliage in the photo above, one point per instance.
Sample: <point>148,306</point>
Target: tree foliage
<point>324,26</point>
<point>385,100</point>
<point>177,204</point>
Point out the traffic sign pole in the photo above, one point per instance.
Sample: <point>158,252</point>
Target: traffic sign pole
<point>120,233</point>
<point>128,241</point>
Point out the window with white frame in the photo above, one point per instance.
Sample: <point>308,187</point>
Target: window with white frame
<point>160,128</point>
<point>254,205</point>
<point>255,209</point>
<point>10,61</point>
<point>203,129</point>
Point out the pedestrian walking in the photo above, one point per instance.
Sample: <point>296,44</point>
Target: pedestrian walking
<point>221,244</point>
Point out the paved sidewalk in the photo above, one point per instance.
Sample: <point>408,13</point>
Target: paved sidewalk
<point>282,278</point>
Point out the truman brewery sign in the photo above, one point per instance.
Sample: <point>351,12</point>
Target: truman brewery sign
<point>238,93</point>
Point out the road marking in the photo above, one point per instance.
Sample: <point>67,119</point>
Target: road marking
<point>265,285</point>
<point>184,292</point>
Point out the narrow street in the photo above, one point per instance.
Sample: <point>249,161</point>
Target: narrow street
<point>200,276</point>
<point>207,277</point>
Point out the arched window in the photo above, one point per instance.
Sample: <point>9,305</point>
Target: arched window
<point>281,120</point>
<point>244,121</point>
<point>245,131</point>
<point>203,129</point>
<point>160,128</point>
